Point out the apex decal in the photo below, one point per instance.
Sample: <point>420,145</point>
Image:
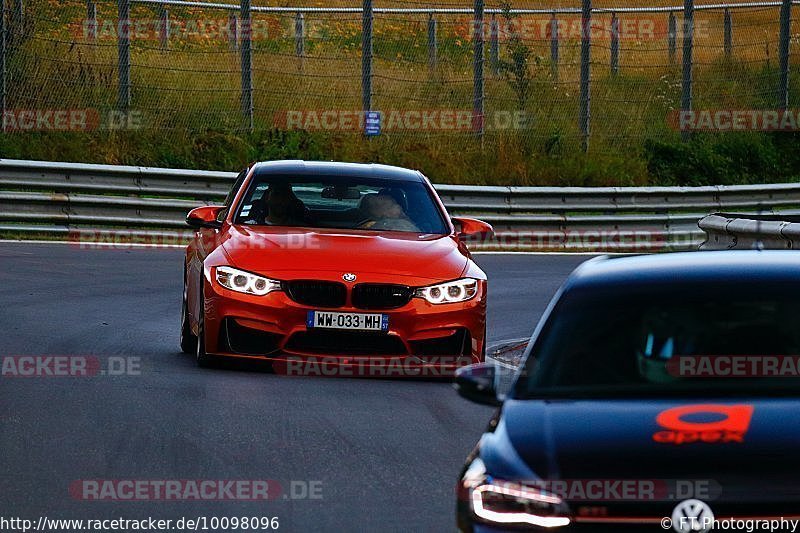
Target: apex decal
<point>709,423</point>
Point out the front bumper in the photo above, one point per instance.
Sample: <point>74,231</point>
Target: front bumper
<point>423,339</point>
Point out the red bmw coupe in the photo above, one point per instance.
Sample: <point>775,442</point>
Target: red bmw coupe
<point>353,266</point>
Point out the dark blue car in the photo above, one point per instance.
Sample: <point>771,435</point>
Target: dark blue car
<point>658,393</point>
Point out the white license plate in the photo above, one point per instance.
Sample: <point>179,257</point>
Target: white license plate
<point>353,321</point>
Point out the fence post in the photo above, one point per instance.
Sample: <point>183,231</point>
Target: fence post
<point>688,44</point>
<point>247,65</point>
<point>18,21</point>
<point>554,46</point>
<point>783,54</point>
<point>586,57</point>
<point>494,46</point>
<point>91,21</point>
<point>479,94</point>
<point>366,56</point>
<point>672,37</point>
<point>124,53</point>
<point>233,32</point>
<point>163,27</point>
<point>300,38</point>
<point>728,34</point>
<point>433,45</point>
<point>3,30</point>
<point>614,44</point>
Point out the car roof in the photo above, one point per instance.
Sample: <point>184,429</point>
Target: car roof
<point>332,169</point>
<point>744,266</point>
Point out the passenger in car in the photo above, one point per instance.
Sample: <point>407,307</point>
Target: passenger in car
<point>384,213</point>
<point>282,207</point>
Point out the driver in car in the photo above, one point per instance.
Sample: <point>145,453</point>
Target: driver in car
<point>384,213</point>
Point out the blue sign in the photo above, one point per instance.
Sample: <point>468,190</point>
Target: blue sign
<point>372,123</point>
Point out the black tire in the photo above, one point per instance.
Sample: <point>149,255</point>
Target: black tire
<point>203,359</point>
<point>188,339</point>
<point>485,341</point>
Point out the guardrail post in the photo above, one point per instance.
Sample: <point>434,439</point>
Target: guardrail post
<point>247,65</point>
<point>368,18</point>
<point>233,32</point>
<point>91,21</point>
<point>554,47</point>
<point>124,55</point>
<point>783,54</point>
<point>727,44</point>
<point>688,45</point>
<point>586,59</point>
<point>3,35</point>
<point>300,38</point>
<point>479,94</point>
<point>433,45</point>
<point>163,26</point>
<point>672,37</point>
<point>494,46</point>
<point>614,44</point>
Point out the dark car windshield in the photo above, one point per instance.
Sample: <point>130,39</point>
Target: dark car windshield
<point>340,202</point>
<point>673,338</point>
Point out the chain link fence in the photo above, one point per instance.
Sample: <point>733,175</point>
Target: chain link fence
<point>457,78</point>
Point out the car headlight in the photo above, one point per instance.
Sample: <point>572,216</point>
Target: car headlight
<point>505,502</point>
<point>245,282</point>
<point>451,292</point>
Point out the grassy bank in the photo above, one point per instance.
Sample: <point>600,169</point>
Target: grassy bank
<point>188,98</point>
<point>706,160</point>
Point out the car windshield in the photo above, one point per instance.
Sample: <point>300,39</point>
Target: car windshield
<point>340,202</point>
<point>674,339</point>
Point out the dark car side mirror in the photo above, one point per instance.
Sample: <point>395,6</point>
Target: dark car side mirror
<point>205,217</point>
<point>477,383</point>
<point>473,228</point>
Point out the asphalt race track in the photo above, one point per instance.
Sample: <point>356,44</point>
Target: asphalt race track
<point>378,455</point>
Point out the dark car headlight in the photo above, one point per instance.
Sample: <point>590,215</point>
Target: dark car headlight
<point>495,501</point>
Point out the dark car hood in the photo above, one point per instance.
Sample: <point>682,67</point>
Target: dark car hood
<point>590,440</point>
<point>418,259</point>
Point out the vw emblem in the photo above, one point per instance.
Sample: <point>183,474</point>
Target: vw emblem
<point>349,277</point>
<point>692,515</point>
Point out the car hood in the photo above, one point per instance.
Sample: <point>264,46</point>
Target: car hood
<point>603,440</point>
<point>409,258</point>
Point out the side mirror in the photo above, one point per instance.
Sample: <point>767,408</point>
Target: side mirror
<point>477,383</point>
<point>205,217</point>
<point>473,228</point>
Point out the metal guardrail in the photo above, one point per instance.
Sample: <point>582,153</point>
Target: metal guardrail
<point>45,198</point>
<point>747,231</point>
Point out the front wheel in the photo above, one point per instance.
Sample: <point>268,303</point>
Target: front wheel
<point>203,359</point>
<point>188,339</point>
